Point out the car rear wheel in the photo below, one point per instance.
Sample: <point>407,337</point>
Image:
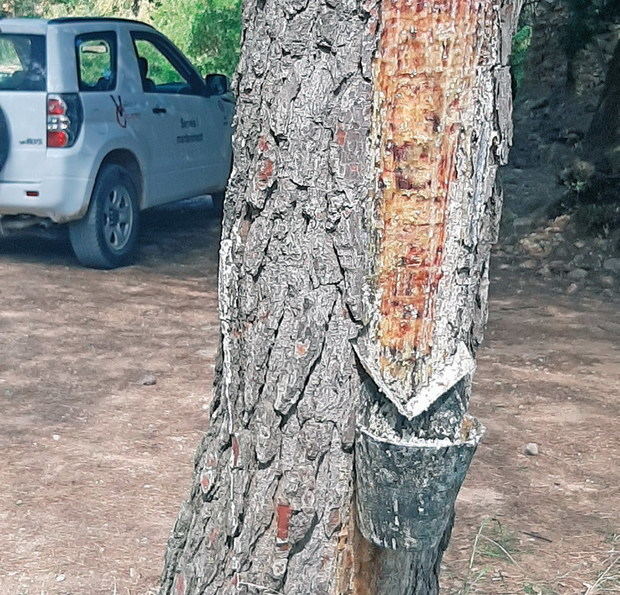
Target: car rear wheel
<point>218,202</point>
<point>4,139</point>
<point>107,236</point>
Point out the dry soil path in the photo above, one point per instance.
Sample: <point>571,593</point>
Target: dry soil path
<point>93,464</point>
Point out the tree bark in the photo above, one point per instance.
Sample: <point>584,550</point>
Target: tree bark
<point>353,277</point>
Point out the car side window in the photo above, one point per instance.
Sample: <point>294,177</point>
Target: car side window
<point>96,59</point>
<point>161,71</point>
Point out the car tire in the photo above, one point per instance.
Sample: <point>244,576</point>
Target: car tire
<point>4,139</point>
<point>107,236</point>
<point>218,202</point>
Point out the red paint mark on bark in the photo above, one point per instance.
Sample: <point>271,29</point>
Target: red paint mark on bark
<point>333,521</point>
<point>235,449</point>
<point>208,474</point>
<point>414,257</point>
<point>179,584</point>
<point>205,481</point>
<point>301,349</point>
<point>400,152</point>
<point>283,518</point>
<point>213,535</point>
<point>341,137</point>
<point>263,145</point>
<point>266,171</point>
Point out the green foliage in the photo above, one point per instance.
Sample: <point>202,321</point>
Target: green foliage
<point>520,46</point>
<point>18,8</point>
<point>94,61</point>
<point>586,19</point>
<point>9,61</point>
<point>209,33</point>
<point>160,71</point>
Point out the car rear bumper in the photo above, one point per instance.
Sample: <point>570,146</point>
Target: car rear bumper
<point>59,199</point>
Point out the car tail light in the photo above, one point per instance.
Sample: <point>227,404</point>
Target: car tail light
<point>57,138</point>
<point>64,119</point>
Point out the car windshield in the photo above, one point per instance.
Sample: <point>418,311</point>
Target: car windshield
<point>22,62</point>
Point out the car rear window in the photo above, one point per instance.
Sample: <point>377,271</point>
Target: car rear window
<point>22,62</point>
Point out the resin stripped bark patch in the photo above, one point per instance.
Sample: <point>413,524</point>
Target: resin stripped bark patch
<point>425,45</point>
<point>422,45</point>
<point>428,64</point>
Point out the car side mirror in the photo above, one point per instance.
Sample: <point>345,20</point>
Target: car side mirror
<point>217,84</point>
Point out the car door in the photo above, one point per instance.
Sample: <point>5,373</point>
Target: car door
<point>221,147</point>
<point>183,121</point>
<point>97,62</point>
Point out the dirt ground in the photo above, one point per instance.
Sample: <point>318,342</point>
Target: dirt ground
<point>549,373</point>
<point>94,464</point>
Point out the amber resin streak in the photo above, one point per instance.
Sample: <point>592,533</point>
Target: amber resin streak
<point>425,68</point>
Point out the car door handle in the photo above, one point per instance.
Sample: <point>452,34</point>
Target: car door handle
<point>159,110</point>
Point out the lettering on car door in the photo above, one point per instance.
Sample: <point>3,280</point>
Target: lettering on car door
<point>175,96</point>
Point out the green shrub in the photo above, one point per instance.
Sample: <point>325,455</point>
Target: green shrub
<point>520,46</point>
<point>209,33</point>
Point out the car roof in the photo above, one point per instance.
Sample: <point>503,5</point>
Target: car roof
<point>72,20</point>
<point>40,26</point>
<point>33,26</point>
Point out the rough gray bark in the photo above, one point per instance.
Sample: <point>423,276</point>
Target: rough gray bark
<point>308,354</point>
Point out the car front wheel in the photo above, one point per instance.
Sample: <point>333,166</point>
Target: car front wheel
<point>218,203</point>
<point>107,236</point>
<point>4,139</point>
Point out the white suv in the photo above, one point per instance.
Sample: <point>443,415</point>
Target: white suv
<point>99,119</point>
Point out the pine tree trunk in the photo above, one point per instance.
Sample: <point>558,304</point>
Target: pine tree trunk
<point>353,277</point>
